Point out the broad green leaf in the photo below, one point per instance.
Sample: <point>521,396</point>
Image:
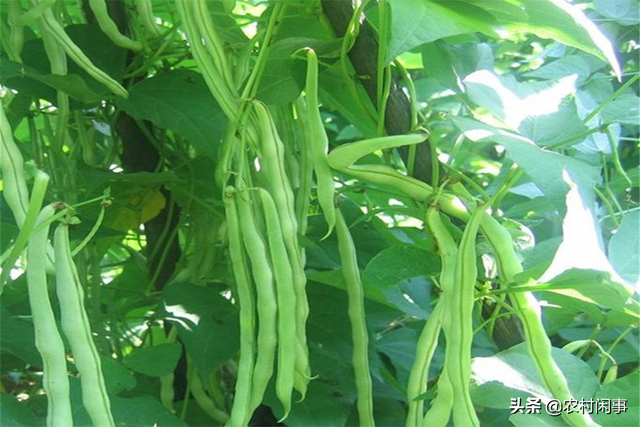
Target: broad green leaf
<point>207,323</point>
<point>512,373</point>
<point>18,338</point>
<point>625,12</point>
<point>624,248</point>
<point>139,411</point>
<point>591,286</point>
<point>545,168</point>
<point>284,73</point>
<point>181,102</point>
<point>581,235</point>
<point>581,64</point>
<point>400,272</point>
<point>117,378</point>
<point>625,110</point>
<point>415,22</point>
<point>20,77</point>
<point>626,388</point>
<point>556,20</point>
<point>536,420</point>
<point>537,110</point>
<point>14,413</point>
<point>334,90</point>
<point>155,361</point>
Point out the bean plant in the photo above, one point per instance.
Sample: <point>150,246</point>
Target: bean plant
<point>319,213</point>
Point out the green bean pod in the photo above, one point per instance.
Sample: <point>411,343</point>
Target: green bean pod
<point>12,165</point>
<point>109,27</point>
<point>224,94</point>
<point>346,155</point>
<point>34,13</point>
<point>203,400</point>
<point>440,411</point>
<point>145,13</point>
<point>319,144</point>
<point>266,299</point>
<point>280,188</point>
<point>286,299</point>
<point>49,343</point>
<point>417,384</point>
<point>458,360</point>
<point>357,317</point>
<point>528,310</point>
<point>78,56</point>
<point>240,413</point>
<point>17,30</point>
<point>76,327</point>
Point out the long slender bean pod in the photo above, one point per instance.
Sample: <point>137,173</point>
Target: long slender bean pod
<point>359,333</point>
<point>280,189</point>
<point>48,340</point>
<point>17,30</point>
<point>417,384</point>
<point>58,60</point>
<point>440,411</point>
<point>12,164</point>
<point>286,300</point>
<point>109,27</point>
<point>34,13</point>
<point>40,184</point>
<point>319,144</point>
<point>266,299</point>
<point>145,13</point>
<point>203,400</point>
<point>303,196</point>
<point>240,411</point>
<point>76,327</point>
<point>458,354</point>
<point>528,310</point>
<point>500,240</point>
<point>78,56</point>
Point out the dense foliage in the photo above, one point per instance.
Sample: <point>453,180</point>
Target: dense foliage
<point>179,249</point>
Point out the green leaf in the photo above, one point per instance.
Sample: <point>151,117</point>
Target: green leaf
<point>400,272</point>
<point>181,102</point>
<point>537,110</point>
<point>624,248</point>
<point>284,73</point>
<point>18,338</point>
<point>625,110</point>
<point>556,20</point>
<point>207,323</point>
<point>546,169</point>
<point>512,373</point>
<point>334,90</point>
<point>416,22</point>
<point>15,414</point>
<point>625,12</point>
<point>626,388</point>
<point>116,376</point>
<point>155,361</point>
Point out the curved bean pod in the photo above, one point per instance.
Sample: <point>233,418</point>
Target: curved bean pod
<point>78,56</point>
<point>100,11</point>
<point>319,144</point>
<point>76,327</point>
<point>528,310</point>
<point>49,343</point>
<point>145,13</point>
